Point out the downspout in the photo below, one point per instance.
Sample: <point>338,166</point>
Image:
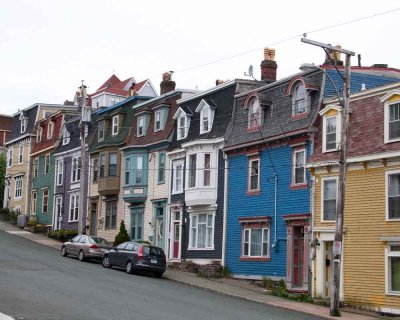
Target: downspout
<point>28,181</point>
<point>275,209</point>
<point>225,209</point>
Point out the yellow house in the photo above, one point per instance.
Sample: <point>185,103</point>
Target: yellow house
<point>370,276</point>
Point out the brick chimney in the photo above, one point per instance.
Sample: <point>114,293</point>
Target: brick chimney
<point>268,66</point>
<point>167,84</point>
<point>333,57</point>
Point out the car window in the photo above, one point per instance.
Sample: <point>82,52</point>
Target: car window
<point>97,240</point>
<point>153,251</point>
<point>130,246</point>
<point>82,239</point>
<point>122,246</point>
<point>76,239</point>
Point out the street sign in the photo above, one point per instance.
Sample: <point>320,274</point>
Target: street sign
<point>337,247</point>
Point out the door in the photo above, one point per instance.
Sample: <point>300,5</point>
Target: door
<point>327,267</point>
<point>298,256</point>
<point>160,232</point>
<point>175,254</point>
<point>93,219</point>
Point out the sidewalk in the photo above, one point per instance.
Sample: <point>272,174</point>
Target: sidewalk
<point>231,287</point>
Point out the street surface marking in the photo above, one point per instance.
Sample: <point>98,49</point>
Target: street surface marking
<point>5,317</point>
<point>19,232</point>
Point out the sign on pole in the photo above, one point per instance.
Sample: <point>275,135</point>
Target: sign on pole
<point>337,248</point>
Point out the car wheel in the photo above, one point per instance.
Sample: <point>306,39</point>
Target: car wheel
<point>158,274</point>
<point>81,256</point>
<point>129,267</point>
<point>64,251</point>
<point>106,262</point>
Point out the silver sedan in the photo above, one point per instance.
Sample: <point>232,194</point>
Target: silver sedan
<point>85,247</point>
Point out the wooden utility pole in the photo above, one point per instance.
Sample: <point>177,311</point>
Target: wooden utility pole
<point>337,245</point>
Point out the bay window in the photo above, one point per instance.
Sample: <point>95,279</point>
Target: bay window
<point>201,231</point>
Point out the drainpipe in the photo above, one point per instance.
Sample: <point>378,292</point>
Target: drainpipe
<point>225,209</point>
<point>275,209</point>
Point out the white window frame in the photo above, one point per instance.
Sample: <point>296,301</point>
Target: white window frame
<point>60,172</point>
<point>115,125</point>
<point>73,212</point>
<point>23,124</point>
<point>101,128</point>
<point>253,100</point>
<point>249,175</point>
<point>39,134</point>
<point>338,130</point>
<point>390,254</point>
<point>175,165</point>
<point>191,171</point>
<point>295,98</point>
<point>209,215</point>
<point>47,204</point>
<point>140,126</point>
<point>19,181</point>
<point>58,210</point>
<point>387,120</point>
<point>9,157</point>
<point>66,136</point>
<point>47,163</point>
<point>50,130</point>
<point>36,164</point>
<point>323,180</point>
<point>75,169</point>
<point>180,127</point>
<point>249,229</point>
<point>387,174</point>
<point>295,166</point>
<point>33,201</point>
<point>209,170</point>
<point>158,114</point>
<point>206,110</point>
<point>161,167</point>
<point>20,153</point>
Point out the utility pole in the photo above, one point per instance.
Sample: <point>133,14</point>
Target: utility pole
<point>85,120</point>
<point>344,102</point>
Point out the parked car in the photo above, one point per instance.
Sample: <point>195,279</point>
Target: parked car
<point>134,256</point>
<point>85,247</point>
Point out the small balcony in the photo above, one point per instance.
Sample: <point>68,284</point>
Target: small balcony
<point>135,194</point>
<point>200,196</point>
<point>108,186</point>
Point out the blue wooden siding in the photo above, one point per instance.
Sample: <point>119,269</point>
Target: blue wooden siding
<point>242,205</point>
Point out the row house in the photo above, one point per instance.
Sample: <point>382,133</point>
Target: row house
<point>18,177</point>
<point>67,176</point>
<point>197,174</point>
<point>48,136</point>
<point>111,128</point>
<point>371,244</point>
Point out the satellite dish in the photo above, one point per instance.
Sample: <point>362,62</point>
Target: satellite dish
<point>250,72</point>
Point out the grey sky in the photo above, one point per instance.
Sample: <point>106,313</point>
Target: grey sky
<point>48,47</point>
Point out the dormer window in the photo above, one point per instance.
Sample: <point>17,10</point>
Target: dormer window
<point>142,123</point>
<point>160,116</point>
<point>299,100</point>
<point>24,122</point>
<point>182,122</point>
<point>100,131</point>
<point>66,136</point>
<point>157,120</point>
<point>206,116</point>
<point>391,102</point>
<point>254,115</point>
<point>182,127</point>
<point>331,127</point>
<point>50,130</point>
<point>115,125</point>
<point>39,134</point>
<point>140,126</point>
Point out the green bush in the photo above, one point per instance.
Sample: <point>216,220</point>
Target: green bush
<point>71,234</point>
<point>280,289</point>
<point>268,283</point>
<point>122,236</point>
<point>31,223</point>
<point>37,228</point>
<point>226,272</point>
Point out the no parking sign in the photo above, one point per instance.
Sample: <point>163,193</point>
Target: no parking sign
<point>337,247</point>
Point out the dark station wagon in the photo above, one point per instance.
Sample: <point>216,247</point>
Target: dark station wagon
<point>136,257</point>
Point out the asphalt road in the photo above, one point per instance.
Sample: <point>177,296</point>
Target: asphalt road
<point>36,283</point>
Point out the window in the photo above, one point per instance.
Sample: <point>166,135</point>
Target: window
<point>192,171</point>
<point>393,195</point>
<point>66,137</point>
<point>177,183</point>
<point>76,169</point>
<point>100,130</point>
<point>115,121</point>
<point>95,170</point>
<point>393,269</point>
<point>137,225</point>
<point>9,157</point>
<point>299,101</point>
<point>140,126</point>
<point>127,170</point>
<point>202,231</point>
<point>45,200</point>
<point>58,211</point>
<point>23,124</point>
<point>255,242</point>
<point>207,170</point>
<point>112,164</point>
<point>161,168</point>
<point>182,127</point>
<point>299,171</point>
<point>20,153</point>
<point>18,187</point>
<point>39,134</point>
<point>393,119</point>
<point>330,135</point>
<point>139,170</point>
<point>35,167</point>
<point>331,128</point>
<point>102,159</point>
<point>157,120</point>
<point>205,125</point>
<point>254,174</point>
<point>60,172</point>
<point>254,113</point>
<point>46,163</point>
<point>73,207</point>
<point>50,130</point>
<point>111,215</point>
<point>329,191</point>
<point>33,202</point>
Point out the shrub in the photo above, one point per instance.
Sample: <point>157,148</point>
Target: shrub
<point>31,223</point>
<point>122,236</point>
<point>71,234</point>
<point>226,272</point>
<point>38,228</point>
<point>60,235</point>
<point>268,283</point>
<point>280,289</point>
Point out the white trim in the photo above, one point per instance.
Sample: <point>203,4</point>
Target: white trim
<point>199,142</point>
<point>242,242</point>
<point>158,112</point>
<point>74,205</point>
<point>337,132</point>
<point>185,127</point>
<point>206,92</point>
<point>59,164</point>
<point>323,179</point>
<point>386,116</point>
<point>48,196</point>
<point>74,171</point>
<point>294,162</point>
<point>115,125</point>
<point>387,173</point>
<point>56,221</point>
<point>20,153</point>
<point>21,179</point>
<point>50,130</point>
<point>388,255</point>
<point>197,214</point>
<point>390,94</point>
<point>249,163</point>
<point>99,139</point>
<point>175,164</point>
<point>141,119</point>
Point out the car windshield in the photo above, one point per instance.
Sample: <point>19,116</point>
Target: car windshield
<point>154,251</point>
<point>97,240</point>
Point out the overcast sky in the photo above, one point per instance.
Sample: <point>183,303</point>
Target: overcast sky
<point>48,47</point>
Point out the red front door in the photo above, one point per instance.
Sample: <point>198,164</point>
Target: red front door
<point>176,240</point>
<point>298,252</point>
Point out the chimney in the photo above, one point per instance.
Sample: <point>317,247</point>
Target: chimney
<point>167,84</point>
<point>333,57</point>
<point>268,66</point>
<point>218,82</point>
<point>132,92</point>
